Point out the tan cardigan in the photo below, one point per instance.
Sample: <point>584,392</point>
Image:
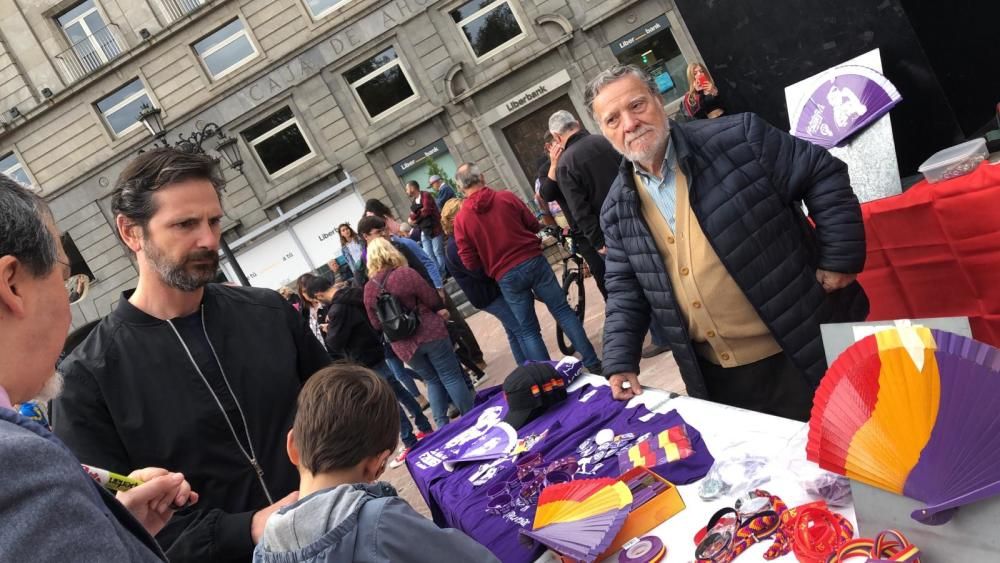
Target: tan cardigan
<point>725,328</point>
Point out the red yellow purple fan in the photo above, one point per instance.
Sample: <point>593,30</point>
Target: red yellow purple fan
<point>579,519</point>
<point>916,412</point>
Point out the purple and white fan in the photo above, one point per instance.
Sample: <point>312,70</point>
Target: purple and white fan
<point>845,100</point>
<point>496,442</point>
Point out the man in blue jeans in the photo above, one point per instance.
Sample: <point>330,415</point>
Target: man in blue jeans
<point>497,232</point>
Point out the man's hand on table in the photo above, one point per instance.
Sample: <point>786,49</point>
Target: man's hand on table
<point>260,517</point>
<point>624,386</point>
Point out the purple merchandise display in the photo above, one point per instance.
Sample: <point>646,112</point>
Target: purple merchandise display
<point>846,99</point>
<point>455,501</point>
<point>496,442</point>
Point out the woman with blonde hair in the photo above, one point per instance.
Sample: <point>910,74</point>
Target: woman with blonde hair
<point>482,291</point>
<point>702,100</point>
<point>429,350</point>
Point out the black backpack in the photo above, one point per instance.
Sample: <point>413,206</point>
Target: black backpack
<point>398,323</point>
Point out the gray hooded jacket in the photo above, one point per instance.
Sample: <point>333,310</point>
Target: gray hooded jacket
<point>363,524</point>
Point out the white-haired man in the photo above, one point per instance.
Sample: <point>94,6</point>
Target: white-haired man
<point>707,238</point>
<point>585,170</point>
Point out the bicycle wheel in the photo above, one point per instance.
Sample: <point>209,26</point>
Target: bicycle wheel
<point>577,299</point>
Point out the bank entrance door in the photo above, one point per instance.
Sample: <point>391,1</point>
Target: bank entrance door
<point>526,135</point>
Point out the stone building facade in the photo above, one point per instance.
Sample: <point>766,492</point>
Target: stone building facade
<point>331,102</point>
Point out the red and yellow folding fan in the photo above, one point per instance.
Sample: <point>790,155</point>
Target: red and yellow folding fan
<point>915,412</point>
<point>579,519</point>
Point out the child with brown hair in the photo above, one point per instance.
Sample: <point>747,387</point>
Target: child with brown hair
<point>345,430</point>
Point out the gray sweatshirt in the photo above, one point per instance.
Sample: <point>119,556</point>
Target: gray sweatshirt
<point>50,510</point>
<point>363,524</point>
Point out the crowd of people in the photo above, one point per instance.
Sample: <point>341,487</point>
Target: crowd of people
<point>249,443</point>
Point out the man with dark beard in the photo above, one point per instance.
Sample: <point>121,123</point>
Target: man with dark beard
<point>199,377</point>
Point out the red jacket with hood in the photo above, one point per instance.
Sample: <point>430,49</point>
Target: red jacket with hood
<point>496,231</point>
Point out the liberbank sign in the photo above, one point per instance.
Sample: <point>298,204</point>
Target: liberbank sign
<point>527,96</point>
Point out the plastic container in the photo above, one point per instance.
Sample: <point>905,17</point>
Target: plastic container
<point>954,161</point>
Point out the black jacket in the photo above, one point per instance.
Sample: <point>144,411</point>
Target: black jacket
<point>587,168</point>
<point>746,180</point>
<point>477,286</point>
<point>133,399</point>
<point>550,192</point>
<point>703,105</point>
<point>349,335</point>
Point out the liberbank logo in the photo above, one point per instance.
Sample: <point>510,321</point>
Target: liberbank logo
<point>549,86</point>
<point>527,97</point>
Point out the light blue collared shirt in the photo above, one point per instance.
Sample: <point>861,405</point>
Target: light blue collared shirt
<point>663,192</point>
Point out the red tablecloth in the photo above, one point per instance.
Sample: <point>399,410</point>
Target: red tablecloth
<point>934,251</point>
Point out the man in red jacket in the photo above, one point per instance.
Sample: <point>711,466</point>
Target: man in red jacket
<point>497,232</point>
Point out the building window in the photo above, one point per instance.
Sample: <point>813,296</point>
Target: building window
<point>121,109</point>
<point>176,9</point>
<point>653,48</point>
<point>320,8</point>
<point>488,25</point>
<point>226,49</point>
<point>381,83</point>
<point>11,167</point>
<point>279,142</point>
<point>77,265</point>
<point>92,39</point>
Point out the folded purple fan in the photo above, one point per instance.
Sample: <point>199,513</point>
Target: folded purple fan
<point>583,540</point>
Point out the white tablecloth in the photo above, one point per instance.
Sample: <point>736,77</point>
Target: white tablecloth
<point>729,432</point>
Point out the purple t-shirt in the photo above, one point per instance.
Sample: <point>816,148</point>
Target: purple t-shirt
<point>456,501</point>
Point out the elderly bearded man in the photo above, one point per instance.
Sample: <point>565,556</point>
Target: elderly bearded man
<point>706,236</point>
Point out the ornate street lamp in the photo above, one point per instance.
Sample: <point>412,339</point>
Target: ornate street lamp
<point>150,117</point>
<point>226,146</point>
<point>230,151</point>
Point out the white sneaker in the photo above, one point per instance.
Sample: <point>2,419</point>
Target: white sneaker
<point>400,459</point>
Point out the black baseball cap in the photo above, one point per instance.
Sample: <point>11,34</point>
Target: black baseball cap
<point>529,390</point>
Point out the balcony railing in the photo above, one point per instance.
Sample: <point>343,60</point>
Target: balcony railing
<point>92,52</point>
<point>173,10</point>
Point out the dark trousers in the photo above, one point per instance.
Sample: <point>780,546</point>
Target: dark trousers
<point>462,331</point>
<point>771,386</point>
<point>594,261</point>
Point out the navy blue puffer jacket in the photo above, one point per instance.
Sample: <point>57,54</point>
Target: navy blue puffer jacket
<point>746,180</point>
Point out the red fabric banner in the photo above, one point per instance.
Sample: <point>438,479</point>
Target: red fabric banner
<point>934,251</point>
